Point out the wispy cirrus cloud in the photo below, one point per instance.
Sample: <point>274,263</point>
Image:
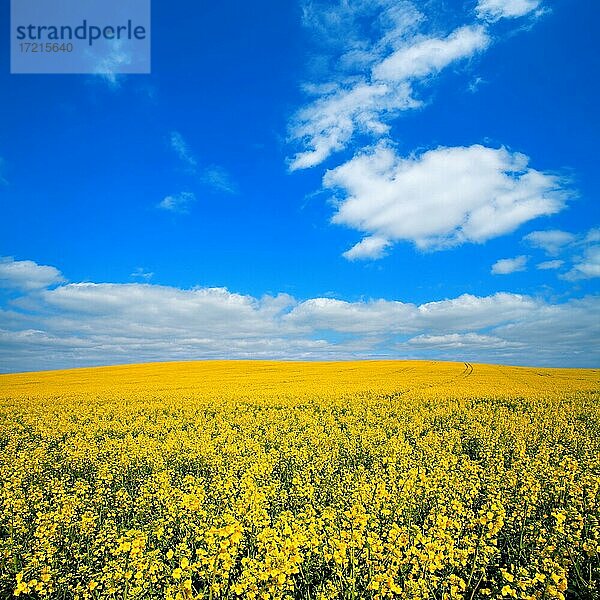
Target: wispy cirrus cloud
<point>215,177</point>
<point>376,76</point>
<point>141,273</point>
<point>441,198</point>
<point>178,203</point>
<point>109,67</point>
<point>182,150</point>
<point>219,179</point>
<point>78,324</point>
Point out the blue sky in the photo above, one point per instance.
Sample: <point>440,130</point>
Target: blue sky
<point>310,180</point>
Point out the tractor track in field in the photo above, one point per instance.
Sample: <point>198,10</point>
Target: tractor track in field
<point>468,371</point>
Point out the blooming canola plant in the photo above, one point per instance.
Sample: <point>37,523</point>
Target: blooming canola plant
<point>266,480</point>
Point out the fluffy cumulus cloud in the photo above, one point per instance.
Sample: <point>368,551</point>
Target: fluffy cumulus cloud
<point>369,248</point>
<point>473,313</point>
<point>80,324</point>
<point>27,275</point>
<point>550,265</point>
<point>374,317</point>
<point>462,341</point>
<point>505,266</point>
<point>442,198</point>
<point>438,199</point>
<point>492,10</point>
<point>552,241</point>
<point>375,77</point>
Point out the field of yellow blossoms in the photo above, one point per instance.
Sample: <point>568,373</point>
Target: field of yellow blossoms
<point>265,480</point>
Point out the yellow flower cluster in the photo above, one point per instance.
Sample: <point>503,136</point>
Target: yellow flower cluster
<point>281,481</point>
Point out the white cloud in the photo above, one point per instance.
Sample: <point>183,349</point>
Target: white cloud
<point>572,328</point>
<point>506,266</point>
<point>493,10</point>
<point>179,203</point>
<point>181,148</point>
<point>215,176</point>
<point>581,250</point>
<point>442,198</point>
<point>88,323</point>
<point>371,317</point>
<point>27,275</point>
<point>219,179</point>
<point>551,241</point>
<point>425,56</point>
<point>476,84</point>
<point>141,273</point>
<point>110,66</point>
<point>328,124</point>
<point>592,236</point>
<point>369,248</point>
<point>459,341</point>
<point>549,265</point>
<point>586,266</point>
<point>377,78</point>
<point>377,317</point>
<point>353,31</point>
<point>470,312</point>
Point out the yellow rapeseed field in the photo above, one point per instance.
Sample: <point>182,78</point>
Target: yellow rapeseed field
<point>266,480</point>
